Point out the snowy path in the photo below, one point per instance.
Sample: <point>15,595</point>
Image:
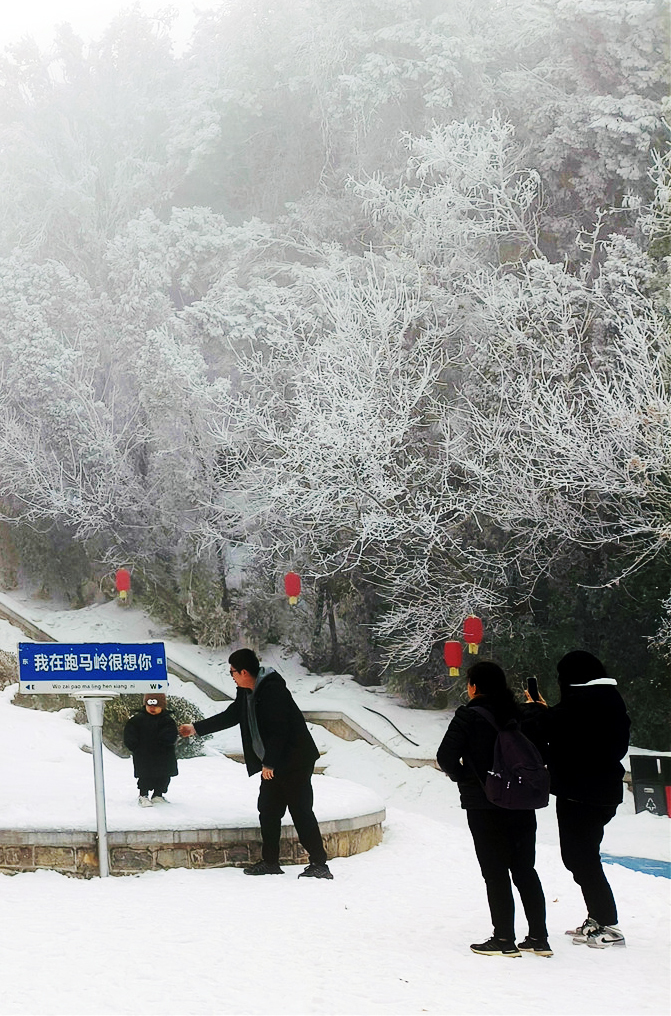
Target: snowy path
<point>389,935</point>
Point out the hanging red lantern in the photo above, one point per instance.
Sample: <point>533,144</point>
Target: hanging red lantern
<point>472,632</point>
<point>292,587</point>
<point>122,581</point>
<point>452,654</point>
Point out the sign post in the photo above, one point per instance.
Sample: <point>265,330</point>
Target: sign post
<point>94,672</point>
<point>95,711</point>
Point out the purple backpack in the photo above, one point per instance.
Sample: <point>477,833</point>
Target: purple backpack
<point>518,778</point>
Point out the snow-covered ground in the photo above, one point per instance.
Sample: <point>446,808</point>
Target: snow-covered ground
<point>389,935</point>
<point>54,789</point>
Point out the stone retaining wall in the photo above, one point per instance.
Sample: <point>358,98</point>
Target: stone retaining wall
<point>75,853</point>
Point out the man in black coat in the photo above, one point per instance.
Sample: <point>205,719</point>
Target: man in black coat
<point>277,743</point>
<point>586,735</point>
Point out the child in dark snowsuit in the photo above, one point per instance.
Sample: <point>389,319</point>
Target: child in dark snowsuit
<point>150,735</point>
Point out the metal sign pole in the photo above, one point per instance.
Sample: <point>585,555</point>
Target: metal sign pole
<point>95,711</point>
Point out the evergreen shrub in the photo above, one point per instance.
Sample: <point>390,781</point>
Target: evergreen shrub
<point>190,597</point>
<point>56,560</point>
<point>331,628</point>
<point>120,710</point>
<point>430,685</point>
<point>260,607</point>
<point>9,668</point>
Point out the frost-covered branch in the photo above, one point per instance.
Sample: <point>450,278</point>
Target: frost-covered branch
<point>569,410</point>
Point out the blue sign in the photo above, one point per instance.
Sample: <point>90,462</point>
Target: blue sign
<point>64,668</point>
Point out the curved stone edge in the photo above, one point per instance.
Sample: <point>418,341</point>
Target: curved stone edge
<point>75,852</point>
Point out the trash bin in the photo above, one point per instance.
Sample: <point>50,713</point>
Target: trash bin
<point>651,783</point>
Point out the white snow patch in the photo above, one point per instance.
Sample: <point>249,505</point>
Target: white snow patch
<point>389,935</point>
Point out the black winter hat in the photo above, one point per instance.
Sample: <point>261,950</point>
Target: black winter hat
<point>579,667</point>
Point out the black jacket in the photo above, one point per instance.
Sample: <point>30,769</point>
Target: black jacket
<point>151,741</point>
<point>586,735</point>
<point>466,752</point>
<point>287,742</point>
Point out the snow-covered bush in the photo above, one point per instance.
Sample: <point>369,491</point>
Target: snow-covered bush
<point>120,709</point>
<point>9,669</point>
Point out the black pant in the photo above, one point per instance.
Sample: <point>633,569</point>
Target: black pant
<point>159,784</point>
<point>291,790</point>
<point>581,829</point>
<point>505,844</point>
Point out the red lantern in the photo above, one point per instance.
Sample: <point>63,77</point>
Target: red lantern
<point>452,653</point>
<point>122,580</point>
<point>472,632</point>
<point>292,587</point>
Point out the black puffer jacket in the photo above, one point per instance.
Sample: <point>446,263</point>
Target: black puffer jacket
<point>286,739</point>
<point>586,735</point>
<point>467,750</point>
<point>151,741</point>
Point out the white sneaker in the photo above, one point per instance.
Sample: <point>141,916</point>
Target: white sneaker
<point>144,802</point>
<point>603,937</point>
<point>159,799</point>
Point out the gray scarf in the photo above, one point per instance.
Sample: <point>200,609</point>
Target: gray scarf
<point>257,743</point>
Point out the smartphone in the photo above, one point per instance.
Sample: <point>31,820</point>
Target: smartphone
<point>532,688</point>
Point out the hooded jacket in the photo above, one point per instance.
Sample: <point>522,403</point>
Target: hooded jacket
<point>285,739</point>
<point>587,734</point>
<point>151,741</point>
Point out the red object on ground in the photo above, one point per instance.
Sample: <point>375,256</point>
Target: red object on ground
<point>292,586</point>
<point>123,580</point>
<point>472,632</point>
<point>452,654</point>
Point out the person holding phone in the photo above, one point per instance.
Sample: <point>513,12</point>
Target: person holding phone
<point>586,736</point>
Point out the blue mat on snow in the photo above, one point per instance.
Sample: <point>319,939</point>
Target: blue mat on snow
<point>644,864</point>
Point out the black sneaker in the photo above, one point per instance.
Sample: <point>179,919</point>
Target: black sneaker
<point>263,868</point>
<point>496,947</point>
<point>537,946</point>
<point>316,871</point>
<point>579,935</point>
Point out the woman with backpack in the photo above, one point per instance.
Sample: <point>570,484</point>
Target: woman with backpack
<point>504,837</point>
